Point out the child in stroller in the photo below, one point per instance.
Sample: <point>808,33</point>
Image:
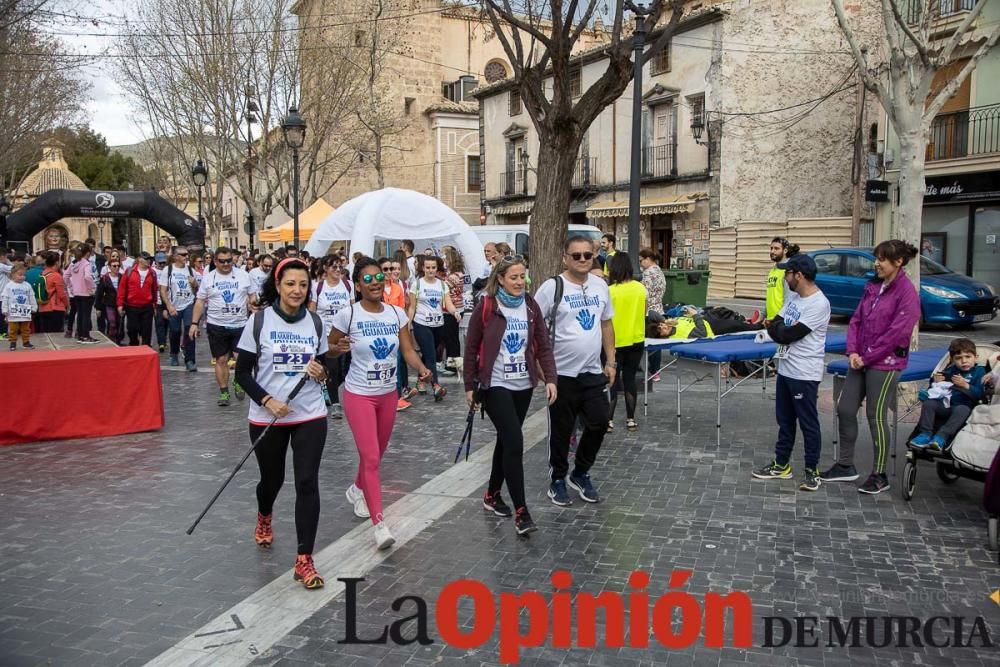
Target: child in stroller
<point>951,396</point>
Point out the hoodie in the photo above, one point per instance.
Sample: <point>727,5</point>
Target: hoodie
<point>881,327</point>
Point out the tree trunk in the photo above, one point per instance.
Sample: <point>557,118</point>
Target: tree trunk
<point>909,212</point>
<point>549,215</point>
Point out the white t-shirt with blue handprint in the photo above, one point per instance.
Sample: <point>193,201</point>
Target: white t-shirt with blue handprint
<point>578,323</point>
<point>510,370</point>
<point>430,303</point>
<point>226,297</point>
<point>374,347</point>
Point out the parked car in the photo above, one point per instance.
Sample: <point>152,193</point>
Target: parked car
<point>946,297</point>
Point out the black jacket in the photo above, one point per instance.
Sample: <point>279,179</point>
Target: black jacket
<point>106,295</point>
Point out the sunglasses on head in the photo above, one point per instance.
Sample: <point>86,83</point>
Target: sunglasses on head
<point>578,256</point>
<point>513,259</point>
<point>369,278</point>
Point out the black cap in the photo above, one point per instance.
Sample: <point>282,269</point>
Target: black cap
<point>146,256</point>
<point>803,264</point>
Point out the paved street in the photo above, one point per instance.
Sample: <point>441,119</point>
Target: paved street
<point>96,568</point>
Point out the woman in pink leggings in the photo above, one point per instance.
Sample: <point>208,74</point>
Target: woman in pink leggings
<point>372,332</point>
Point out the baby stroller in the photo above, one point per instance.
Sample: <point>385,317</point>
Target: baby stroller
<point>970,454</point>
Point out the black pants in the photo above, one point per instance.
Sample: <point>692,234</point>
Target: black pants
<point>336,372</point>
<point>723,325</point>
<point>139,324</point>
<point>71,316</point>
<point>795,400</point>
<point>428,339</point>
<point>583,397</point>
<point>53,321</point>
<point>507,410</point>
<point>161,325</point>
<point>450,337</point>
<point>83,306</point>
<point>307,440</point>
<point>955,417</point>
<point>629,359</point>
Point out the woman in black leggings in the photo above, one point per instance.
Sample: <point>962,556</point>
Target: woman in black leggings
<point>283,341</point>
<point>628,296</point>
<point>506,344</point>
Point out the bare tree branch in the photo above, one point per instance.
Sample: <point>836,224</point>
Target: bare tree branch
<point>935,106</point>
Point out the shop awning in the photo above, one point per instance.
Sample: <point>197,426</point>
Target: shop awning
<point>514,208</point>
<point>675,204</point>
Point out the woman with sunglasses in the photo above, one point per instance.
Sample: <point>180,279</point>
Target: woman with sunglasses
<point>106,297</point>
<point>372,331</point>
<point>395,295</point>
<point>428,307</point>
<point>330,296</point>
<point>507,343</point>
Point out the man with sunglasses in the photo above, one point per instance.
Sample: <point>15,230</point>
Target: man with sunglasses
<point>228,292</point>
<point>259,273</point>
<point>577,306</point>
<point>178,284</point>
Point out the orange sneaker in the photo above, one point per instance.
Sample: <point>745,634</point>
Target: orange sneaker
<point>402,404</point>
<point>305,571</point>
<point>263,535</point>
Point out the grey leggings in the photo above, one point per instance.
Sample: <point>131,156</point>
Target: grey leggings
<point>878,390</point>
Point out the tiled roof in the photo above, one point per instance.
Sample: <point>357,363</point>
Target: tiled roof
<point>447,106</point>
<point>43,180</point>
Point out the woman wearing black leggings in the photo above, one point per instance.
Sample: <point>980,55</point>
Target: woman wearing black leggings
<point>289,342</point>
<point>506,344</point>
<point>628,297</point>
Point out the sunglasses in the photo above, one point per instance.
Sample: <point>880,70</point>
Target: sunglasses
<point>223,261</point>
<point>513,259</point>
<point>182,254</point>
<point>578,256</point>
<point>386,269</point>
<point>369,278</point>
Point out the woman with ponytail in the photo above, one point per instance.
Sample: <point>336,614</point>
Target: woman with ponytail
<point>878,347</point>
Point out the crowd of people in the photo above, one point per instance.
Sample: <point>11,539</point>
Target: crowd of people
<point>277,317</point>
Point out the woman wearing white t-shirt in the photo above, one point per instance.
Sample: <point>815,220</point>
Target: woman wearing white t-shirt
<point>330,295</point>
<point>372,331</point>
<point>268,368</point>
<point>507,342</point>
<point>429,305</point>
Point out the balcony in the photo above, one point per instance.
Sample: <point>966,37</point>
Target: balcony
<point>227,221</point>
<point>965,133</point>
<point>514,183</point>
<point>659,161</point>
<point>913,9</point>
<point>585,173</point>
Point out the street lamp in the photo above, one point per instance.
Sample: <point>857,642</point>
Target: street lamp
<point>199,176</point>
<point>634,196</point>
<point>100,227</point>
<point>251,117</point>
<point>294,129</point>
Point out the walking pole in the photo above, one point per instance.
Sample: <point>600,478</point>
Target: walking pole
<point>467,436</point>
<point>295,391</point>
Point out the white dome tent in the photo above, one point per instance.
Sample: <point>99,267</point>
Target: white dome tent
<point>396,214</point>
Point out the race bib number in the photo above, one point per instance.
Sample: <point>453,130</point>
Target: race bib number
<point>434,319</point>
<point>515,368</point>
<point>380,375</point>
<point>19,310</point>
<point>782,352</point>
<point>291,359</point>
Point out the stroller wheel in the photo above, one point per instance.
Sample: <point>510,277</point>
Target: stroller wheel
<point>993,529</point>
<point>946,473</point>
<point>909,479</point>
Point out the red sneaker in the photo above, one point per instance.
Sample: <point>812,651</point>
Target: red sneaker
<point>305,571</point>
<point>263,535</point>
<point>754,317</point>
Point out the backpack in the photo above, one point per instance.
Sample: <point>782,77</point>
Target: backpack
<point>258,326</point>
<point>556,298</point>
<point>40,286</point>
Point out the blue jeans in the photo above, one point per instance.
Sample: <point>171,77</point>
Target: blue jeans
<point>179,326</point>
<point>796,400</point>
<point>427,339</point>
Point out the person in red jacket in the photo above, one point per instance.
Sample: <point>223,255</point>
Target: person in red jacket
<point>506,345</point>
<point>137,300</point>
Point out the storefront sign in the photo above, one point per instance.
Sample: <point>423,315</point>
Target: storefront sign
<point>877,191</point>
<point>979,186</point>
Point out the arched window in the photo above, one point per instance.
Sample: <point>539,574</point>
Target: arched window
<point>494,71</point>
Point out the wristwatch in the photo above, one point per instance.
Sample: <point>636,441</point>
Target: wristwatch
<point>613,364</point>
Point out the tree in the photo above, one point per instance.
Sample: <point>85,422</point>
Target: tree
<point>191,70</point>
<point>538,38</point>
<point>915,51</point>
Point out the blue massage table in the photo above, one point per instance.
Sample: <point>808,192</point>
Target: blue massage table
<point>919,367</point>
<point>719,352</point>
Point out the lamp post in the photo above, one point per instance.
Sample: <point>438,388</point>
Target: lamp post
<point>635,176</point>
<point>294,129</point>
<point>100,227</point>
<point>199,176</point>
<point>251,117</point>
<point>4,210</point>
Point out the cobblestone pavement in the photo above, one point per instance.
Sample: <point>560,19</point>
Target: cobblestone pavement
<point>96,568</point>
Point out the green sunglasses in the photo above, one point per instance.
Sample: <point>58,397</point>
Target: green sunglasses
<point>369,277</point>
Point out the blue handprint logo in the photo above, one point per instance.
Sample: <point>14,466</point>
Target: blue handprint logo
<point>381,348</point>
<point>513,343</point>
<point>228,296</point>
<point>586,319</point>
<point>21,299</point>
<point>434,302</point>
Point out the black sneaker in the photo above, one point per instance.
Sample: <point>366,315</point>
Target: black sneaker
<point>773,470</point>
<point>238,390</point>
<point>27,346</point>
<point>558,494</point>
<point>810,480</point>
<point>839,473</point>
<point>223,398</point>
<point>584,487</point>
<point>494,503</point>
<point>523,522</point>
<point>875,483</point>
<point>13,346</point>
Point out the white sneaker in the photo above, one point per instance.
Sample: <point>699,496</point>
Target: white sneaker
<point>356,497</point>
<point>383,538</point>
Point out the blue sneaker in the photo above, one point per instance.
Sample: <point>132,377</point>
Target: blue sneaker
<point>558,494</point>
<point>937,444</point>
<point>583,486</point>
<point>921,440</point>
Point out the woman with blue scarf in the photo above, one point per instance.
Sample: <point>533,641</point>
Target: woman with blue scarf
<point>506,347</point>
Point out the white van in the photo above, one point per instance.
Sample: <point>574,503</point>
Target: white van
<point>516,236</point>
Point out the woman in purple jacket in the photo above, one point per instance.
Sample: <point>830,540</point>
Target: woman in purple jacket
<point>878,346</point>
<point>506,345</point>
